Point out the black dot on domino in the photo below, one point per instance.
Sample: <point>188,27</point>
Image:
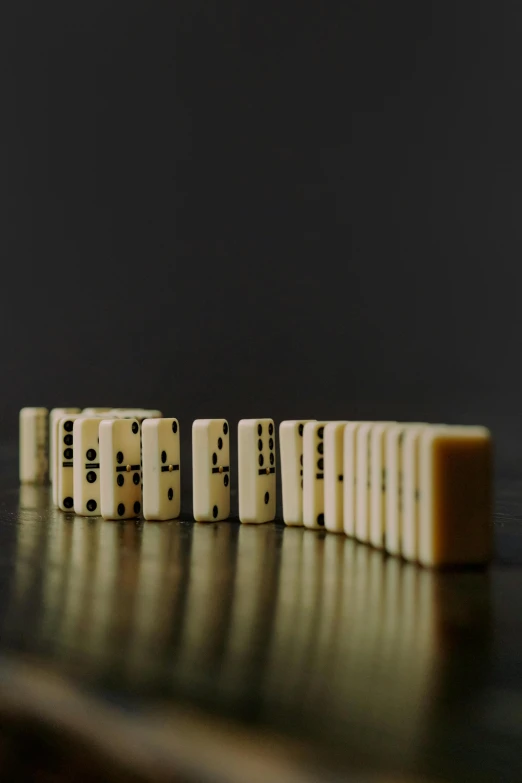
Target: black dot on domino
<point>135,427</point>
<point>91,455</point>
<point>68,502</point>
<point>163,456</point>
<point>119,457</point>
<point>320,448</point>
<point>225,428</point>
<point>68,425</point>
<point>220,443</point>
<point>320,432</point>
<point>320,520</point>
<point>120,480</point>
<point>68,440</point>
<point>259,429</point>
<point>267,497</point>
<point>261,460</point>
<point>320,463</point>
<point>214,458</point>
<point>91,505</point>
<point>170,493</point>
<point>270,429</point>
<point>301,460</point>
<point>271,443</point>
<point>301,428</point>
<point>91,477</point>
<point>137,507</point>
<point>301,483</point>
<point>121,509</point>
<point>136,478</point>
<point>174,427</point>
<point>215,512</point>
<point>68,453</point>
<point>272,459</point>
<point>225,480</point>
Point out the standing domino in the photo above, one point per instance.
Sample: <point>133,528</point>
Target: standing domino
<point>378,484</point>
<point>34,462</point>
<point>410,493</point>
<point>334,476</point>
<point>210,470</point>
<point>455,503</point>
<point>395,487</point>
<point>54,415</point>
<point>313,475</point>
<point>86,469</point>
<point>291,448</point>
<point>256,470</point>
<point>350,475</point>
<point>63,483</point>
<point>120,474</point>
<point>161,468</point>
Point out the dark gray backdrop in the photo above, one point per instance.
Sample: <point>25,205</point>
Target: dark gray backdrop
<point>227,209</point>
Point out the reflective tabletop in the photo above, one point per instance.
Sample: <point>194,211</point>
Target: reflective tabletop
<point>365,663</point>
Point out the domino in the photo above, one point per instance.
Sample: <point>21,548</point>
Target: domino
<point>54,415</point>
<point>161,469</point>
<point>455,503</point>
<point>313,475</point>
<point>291,456</point>
<point>211,470</point>
<point>350,476</point>
<point>256,470</point>
<point>86,466</point>
<point>394,512</point>
<point>57,452</point>
<point>63,484</point>
<point>410,493</point>
<point>33,459</point>
<point>120,473</point>
<point>140,414</point>
<point>379,472</point>
<point>95,411</point>
<point>334,476</point>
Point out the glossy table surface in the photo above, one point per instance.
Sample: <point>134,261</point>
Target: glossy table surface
<point>331,659</point>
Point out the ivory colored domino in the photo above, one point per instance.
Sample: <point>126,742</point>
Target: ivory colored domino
<point>210,470</point>
<point>120,473</point>
<point>410,493</point>
<point>455,503</point>
<point>394,487</point>
<point>54,415</point>
<point>63,484</point>
<point>313,475</point>
<point>363,453</point>
<point>95,411</point>
<point>350,475</point>
<point>291,457</point>
<point>379,472</point>
<point>256,470</point>
<point>86,466</point>
<point>34,461</point>
<point>334,476</point>
<point>57,453</point>
<point>161,469</point>
<point>140,414</point>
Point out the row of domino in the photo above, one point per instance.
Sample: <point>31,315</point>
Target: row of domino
<point>418,491</point>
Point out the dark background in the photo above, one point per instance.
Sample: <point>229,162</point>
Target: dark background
<point>235,209</point>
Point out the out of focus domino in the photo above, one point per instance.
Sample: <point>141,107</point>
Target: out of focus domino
<point>161,469</point>
<point>334,476</point>
<point>409,541</point>
<point>363,478</point>
<point>63,484</point>
<point>34,462</point>
<point>455,503</point>
<point>313,475</point>
<point>140,414</point>
<point>256,470</point>
<point>120,472</point>
<point>54,415</point>
<point>95,411</point>
<point>210,470</point>
<point>291,458</point>
<point>394,487</point>
<point>379,479</point>
<point>86,465</point>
